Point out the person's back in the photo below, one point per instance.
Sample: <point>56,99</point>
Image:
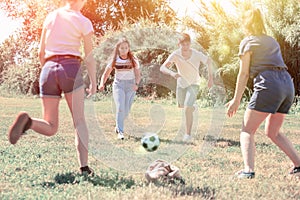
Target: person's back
<point>60,57</point>
<point>272,97</point>
<point>65,29</point>
<point>266,53</point>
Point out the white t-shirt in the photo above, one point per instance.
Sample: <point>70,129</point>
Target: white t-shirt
<point>188,69</point>
<point>64,31</point>
<point>124,69</point>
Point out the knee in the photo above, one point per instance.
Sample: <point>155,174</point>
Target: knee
<point>271,135</point>
<point>189,109</point>
<point>247,130</point>
<point>53,131</point>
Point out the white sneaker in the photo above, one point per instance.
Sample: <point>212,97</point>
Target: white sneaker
<point>121,136</point>
<point>187,138</point>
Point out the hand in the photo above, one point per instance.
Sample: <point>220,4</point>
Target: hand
<point>101,88</point>
<point>135,87</point>
<point>232,107</point>
<point>91,90</point>
<point>176,76</point>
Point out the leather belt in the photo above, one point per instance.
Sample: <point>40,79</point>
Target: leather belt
<point>59,57</point>
<point>278,68</point>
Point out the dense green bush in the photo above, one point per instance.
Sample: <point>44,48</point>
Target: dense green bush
<point>151,44</point>
<point>221,33</point>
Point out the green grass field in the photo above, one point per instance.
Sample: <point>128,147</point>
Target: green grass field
<point>40,167</point>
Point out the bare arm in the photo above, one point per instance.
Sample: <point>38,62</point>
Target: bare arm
<point>210,73</point>
<point>242,80</point>
<point>165,69</point>
<point>90,63</point>
<point>137,74</point>
<point>104,77</point>
<point>42,47</point>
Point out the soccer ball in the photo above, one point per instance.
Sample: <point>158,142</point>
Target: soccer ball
<point>150,141</point>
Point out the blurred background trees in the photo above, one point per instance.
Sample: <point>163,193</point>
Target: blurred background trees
<point>152,26</point>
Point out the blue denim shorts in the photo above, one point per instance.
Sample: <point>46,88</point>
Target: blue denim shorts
<point>187,96</point>
<point>273,92</point>
<point>60,75</point>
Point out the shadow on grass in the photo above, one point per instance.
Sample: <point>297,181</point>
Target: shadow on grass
<point>110,180</point>
<point>222,142</point>
<point>179,188</point>
<point>168,141</point>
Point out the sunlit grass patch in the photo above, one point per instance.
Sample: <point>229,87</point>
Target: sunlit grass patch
<point>40,167</point>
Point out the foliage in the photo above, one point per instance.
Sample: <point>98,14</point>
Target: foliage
<point>151,44</point>
<point>283,21</point>
<point>21,48</point>
<point>220,33</point>
<point>110,14</point>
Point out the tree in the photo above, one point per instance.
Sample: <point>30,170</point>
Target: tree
<point>105,15</point>
<point>109,13</point>
<point>221,33</point>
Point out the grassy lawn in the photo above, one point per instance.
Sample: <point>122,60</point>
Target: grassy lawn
<point>40,167</point>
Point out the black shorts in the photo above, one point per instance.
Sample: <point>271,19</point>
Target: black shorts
<point>273,92</point>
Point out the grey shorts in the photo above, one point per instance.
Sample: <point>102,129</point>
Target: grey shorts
<point>187,96</point>
<point>61,75</point>
<point>273,92</point>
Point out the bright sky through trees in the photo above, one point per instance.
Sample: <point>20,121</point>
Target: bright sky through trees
<point>7,26</point>
<point>181,7</point>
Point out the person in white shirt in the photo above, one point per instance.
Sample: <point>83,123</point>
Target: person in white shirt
<point>187,61</point>
<point>63,31</point>
<point>126,81</point>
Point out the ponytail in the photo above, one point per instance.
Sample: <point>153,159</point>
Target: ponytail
<point>253,22</point>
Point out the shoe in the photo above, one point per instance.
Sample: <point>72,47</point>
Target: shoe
<point>20,125</point>
<point>86,171</point>
<point>295,171</point>
<point>245,175</point>
<point>187,138</point>
<point>120,134</point>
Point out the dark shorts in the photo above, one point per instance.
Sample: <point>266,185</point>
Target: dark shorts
<point>60,75</point>
<point>273,92</point>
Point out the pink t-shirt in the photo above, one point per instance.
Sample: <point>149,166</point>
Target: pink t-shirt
<point>64,31</point>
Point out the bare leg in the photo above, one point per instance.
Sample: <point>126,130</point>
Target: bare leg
<point>252,120</point>
<point>189,119</point>
<point>49,124</point>
<point>75,102</point>
<point>272,127</point>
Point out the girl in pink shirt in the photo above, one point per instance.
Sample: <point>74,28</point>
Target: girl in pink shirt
<point>63,31</point>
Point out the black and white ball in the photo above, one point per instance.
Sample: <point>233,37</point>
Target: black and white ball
<point>150,142</point>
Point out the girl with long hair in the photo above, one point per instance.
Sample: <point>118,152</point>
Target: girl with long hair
<point>260,58</point>
<point>126,81</point>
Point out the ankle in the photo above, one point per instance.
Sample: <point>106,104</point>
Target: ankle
<point>27,125</point>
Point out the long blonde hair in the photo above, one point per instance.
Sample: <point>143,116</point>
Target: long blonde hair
<point>116,52</point>
<point>253,22</point>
